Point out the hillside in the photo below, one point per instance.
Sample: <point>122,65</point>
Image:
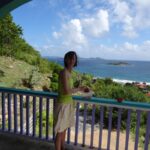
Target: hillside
<point>21,66</point>
<point>19,74</point>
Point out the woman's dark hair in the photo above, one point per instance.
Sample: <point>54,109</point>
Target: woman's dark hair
<point>69,55</point>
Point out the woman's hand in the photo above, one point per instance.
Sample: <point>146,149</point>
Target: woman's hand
<point>84,89</point>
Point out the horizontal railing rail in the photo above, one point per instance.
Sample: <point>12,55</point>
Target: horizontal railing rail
<point>102,101</point>
<point>30,113</point>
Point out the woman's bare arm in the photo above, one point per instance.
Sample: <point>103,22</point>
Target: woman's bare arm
<point>63,77</point>
<point>66,89</point>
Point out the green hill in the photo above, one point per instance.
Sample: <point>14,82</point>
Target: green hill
<point>21,66</point>
<point>19,74</point>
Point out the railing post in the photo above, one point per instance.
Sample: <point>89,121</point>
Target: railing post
<point>68,136</point>
<point>77,122</point>
<point>54,106</point>
<point>40,118</point>
<point>147,136</point>
<point>118,128</point>
<point>3,111</point>
<point>21,114</point>
<point>47,118</point>
<point>128,129</point>
<point>15,114</point>
<point>101,126</point>
<point>92,126</point>
<point>84,124</point>
<point>27,115</point>
<point>9,112</point>
<point>34,117</point>
<point>109,128</point>
<point>137,130</point>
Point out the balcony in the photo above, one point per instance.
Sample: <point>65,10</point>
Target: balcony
<point>27,117</point>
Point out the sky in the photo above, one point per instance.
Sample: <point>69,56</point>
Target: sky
<point>109,29</point>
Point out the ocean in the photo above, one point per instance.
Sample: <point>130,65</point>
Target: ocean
<point>125,71</point>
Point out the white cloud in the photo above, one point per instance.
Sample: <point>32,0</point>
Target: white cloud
<point>77,32</point>
<point>128,51</point>
<point>88,4</point>
<point>97,25</point>
<point>130,47</point>
<point>121,9</point>
<point>142,17</point>
<point>133,15</point>
<point>51,50</point>
<point>128,27</point>
<point>56,35</point>
<point>123,14</point>
<point>72,33</point>
<point>146,46</point>
<point>125,51</point>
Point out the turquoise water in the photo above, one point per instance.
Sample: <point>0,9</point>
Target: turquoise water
<point>133,71</point>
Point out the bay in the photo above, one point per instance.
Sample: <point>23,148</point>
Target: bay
<point>119,70</point>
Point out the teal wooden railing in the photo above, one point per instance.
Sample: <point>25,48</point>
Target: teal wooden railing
<point>30,113</point>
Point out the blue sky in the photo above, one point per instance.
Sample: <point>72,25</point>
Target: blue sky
<point>110,29</point>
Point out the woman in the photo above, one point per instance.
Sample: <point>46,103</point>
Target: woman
<point>64,110</point>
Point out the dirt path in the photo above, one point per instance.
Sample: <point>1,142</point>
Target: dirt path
<point>104,139</point>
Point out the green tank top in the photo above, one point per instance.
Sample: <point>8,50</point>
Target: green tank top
<point>64,98</point>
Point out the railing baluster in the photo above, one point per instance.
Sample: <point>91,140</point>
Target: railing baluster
<point>137,130</point>
<point>147,136</point>
<point>92,126</point>
<point>118,128</point>
<point>128,129</point>
<point>34,116</point>
<point>21,114</point>
<point>54,106</point>
<point>77,124</point>
<point>15,114</point>
<point>3,112</point>
<point>40,117</point>
<point>109,128</point>
<point>47,118</point>
<point>27,115</point>
<point>101,126</point>
<point>68,136</point>
<point>9,112</point>
<point>84,125</point>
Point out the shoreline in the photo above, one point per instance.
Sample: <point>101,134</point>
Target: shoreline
<point>123,81</point>
<point>129,81</point>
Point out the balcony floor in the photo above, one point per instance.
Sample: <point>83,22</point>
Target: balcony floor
<point>16,142</point>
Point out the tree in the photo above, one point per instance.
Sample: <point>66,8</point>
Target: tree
<point>9,32</point>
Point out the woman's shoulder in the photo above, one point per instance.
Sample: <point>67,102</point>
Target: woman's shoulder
<point>63,72</point>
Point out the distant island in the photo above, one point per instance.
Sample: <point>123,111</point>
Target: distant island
<point>118,63</point>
